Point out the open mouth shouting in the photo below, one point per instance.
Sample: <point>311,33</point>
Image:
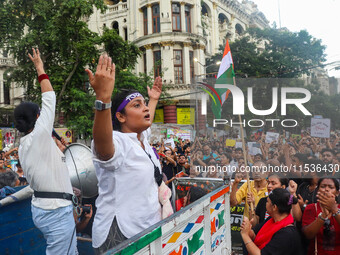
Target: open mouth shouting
<point>147,116</point>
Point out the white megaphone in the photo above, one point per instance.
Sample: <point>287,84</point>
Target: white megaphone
<point>81,169</point>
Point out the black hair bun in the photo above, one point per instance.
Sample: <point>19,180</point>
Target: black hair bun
<point>25,116</point>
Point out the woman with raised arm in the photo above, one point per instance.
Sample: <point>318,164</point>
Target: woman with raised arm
<point>128,171</point>
<point>45,169</point>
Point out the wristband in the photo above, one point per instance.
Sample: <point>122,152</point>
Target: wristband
<point>337,213</point>
<point>248,243</point>
<point>320,217</point>
<point>42,77</point>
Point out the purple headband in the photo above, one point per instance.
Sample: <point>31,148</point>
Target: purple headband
<point>290,200</point>
<point>128,100</point>
<point>125,102</point>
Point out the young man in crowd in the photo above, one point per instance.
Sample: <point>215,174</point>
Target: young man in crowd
<point>327,156</point>
<point>258,189</point>
<point>208,154</point>
<point>182,164</point>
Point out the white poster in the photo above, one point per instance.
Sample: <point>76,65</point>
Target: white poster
<point>254,148</point>
<point>320,127</point>
<point>271,136</point>
<point>238,145</point>
<point>169,142</point>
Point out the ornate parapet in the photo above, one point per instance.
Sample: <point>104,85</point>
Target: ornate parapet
<point>113,10</point>
<point>6,62</point>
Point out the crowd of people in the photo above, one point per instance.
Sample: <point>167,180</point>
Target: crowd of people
<point>290,186</point>
<point>291,201</point>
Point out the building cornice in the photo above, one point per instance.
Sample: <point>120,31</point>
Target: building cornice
<point>169,36</point>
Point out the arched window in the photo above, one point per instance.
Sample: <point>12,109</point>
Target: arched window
<point>205,10</point>
<point>115,26</point>
<point>239,29</point>
<point>222,19</point>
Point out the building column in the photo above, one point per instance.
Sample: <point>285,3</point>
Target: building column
<point>215,32</point>
<point>121,31</point>
<point>183,17</point>
<point>168,63</point>
<point>202,56</point>
<point>196,24</point>
<point>200,68</point>
<point>165,16</point>
<point>186,63</point>
<point>149,58</point>
<point>149,19</point>
<point>2,98</point>
<point>170,114</point>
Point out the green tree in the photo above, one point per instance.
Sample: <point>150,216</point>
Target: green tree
<point>67,46</point>
<point>271,53</point>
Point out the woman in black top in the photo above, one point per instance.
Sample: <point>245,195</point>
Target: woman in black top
<point>277,235</point>
<point>274,181</point>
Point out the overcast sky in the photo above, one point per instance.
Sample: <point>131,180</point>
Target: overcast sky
<point>320,18</point>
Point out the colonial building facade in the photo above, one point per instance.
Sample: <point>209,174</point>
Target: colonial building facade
<point>9,93</point>
<point>177,36</point>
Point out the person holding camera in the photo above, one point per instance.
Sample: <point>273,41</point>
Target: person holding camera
<point>82,214</point>
<point>85,215</point>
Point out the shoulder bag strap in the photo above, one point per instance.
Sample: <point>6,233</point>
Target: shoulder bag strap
<point>158,176</point>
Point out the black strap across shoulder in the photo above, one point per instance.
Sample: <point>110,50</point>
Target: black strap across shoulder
<point>157,172</point>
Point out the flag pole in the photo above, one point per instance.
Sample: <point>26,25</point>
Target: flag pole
<point>252,212</point>
<point>229,60</point>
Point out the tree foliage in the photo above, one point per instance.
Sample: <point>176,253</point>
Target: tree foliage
<point>273,53</point>
<point>59,29</point>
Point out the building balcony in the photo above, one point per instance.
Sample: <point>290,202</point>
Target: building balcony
<point>114,10</point>
<point>7,62</point>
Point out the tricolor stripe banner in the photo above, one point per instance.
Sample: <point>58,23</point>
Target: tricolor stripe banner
<point>225,76</point>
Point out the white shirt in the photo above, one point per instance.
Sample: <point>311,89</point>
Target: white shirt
<point>41,160</point>
<point>127,188</point>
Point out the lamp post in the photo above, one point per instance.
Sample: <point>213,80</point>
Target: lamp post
<point>206,66</point>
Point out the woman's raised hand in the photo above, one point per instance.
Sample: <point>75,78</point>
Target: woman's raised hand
<point>36,59</point>
<point>104,79</point>
<point>156,90</point>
